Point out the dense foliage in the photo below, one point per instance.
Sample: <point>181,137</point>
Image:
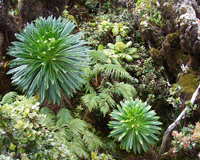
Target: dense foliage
<point>24,134</point>
<point>116,74</point>
<point>74,131</point>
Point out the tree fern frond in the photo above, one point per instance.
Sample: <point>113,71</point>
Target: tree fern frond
<point>92,141</point>
<point>64,114</point>
<point>72,131</point>
<point>109,146</point>
<point>50,118</point>
<point>77,126</point>
<point>87,85</point>
<point>78,149</point>
<point>47,111</point>
<point>106,102</point>
<point>125,90</point>
<point>105,108</point>
<point>112,70</point>
<point>91,101</point>
<point>8,98</point>
<point>105,97</point>
<point>98,56</point>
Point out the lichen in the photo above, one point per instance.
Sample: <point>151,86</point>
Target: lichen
<point>189,82</point>
<point>183,10</point>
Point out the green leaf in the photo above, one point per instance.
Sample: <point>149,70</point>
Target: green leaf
<point>118,39</point>
<point>115,31</point>
<point>135,119</point>
<point>100,47</point>
<point>48,58</point>
<point>111,46</point>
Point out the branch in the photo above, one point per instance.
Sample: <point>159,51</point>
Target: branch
<point>167,79</point>
<point>177,121</point>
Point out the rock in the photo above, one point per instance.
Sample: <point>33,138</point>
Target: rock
<point>181,43</point>
<point>188,27</point>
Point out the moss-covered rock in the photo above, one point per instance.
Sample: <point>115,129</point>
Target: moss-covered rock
<point>189,82</point>
<point>172,53</point>
<point>155,54</point>
<point>167,10</point>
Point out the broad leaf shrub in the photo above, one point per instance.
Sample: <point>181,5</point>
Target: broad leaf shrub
<point>134,125</point>
<point>188,139</point>
<point>48,59</point>
<point>23,134</point>
<point>106,27</point>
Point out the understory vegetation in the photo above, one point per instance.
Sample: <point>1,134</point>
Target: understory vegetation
<point>91,89</point>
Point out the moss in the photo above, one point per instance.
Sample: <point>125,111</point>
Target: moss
<point>180,56</point>
<point>173,37</point>
<point>189,82</point>
<point>154,52</point>
<point>172,53</point>
<point>167,9</point>
<point>167,6</point>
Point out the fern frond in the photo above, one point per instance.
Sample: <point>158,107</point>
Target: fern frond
<point>91,101</point>
<point>76,147</point>
<point>109,146</point>
<point>8,98</point>
<point>106,102</point>
<point>77,126</point>
<point>125,90</point>
<point>98,56</point>
<point>72,131</point>
<point>106,97</point>
<point>87,86</point>
<point>64,114</point>
<point>112,70</point>
<point>50,118</point>
<point>92,141</point>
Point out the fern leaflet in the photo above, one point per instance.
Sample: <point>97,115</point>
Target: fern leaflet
<point>8,98</point>
<point>112,70</point>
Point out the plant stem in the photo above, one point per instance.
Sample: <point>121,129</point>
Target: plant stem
<point>150,9</point>
<point>86,114</point>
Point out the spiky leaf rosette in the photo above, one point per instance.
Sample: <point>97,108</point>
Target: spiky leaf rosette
<point>48,59</point>
<point>134,125</point>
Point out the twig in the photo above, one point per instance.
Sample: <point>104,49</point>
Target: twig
<point>149,43</point>
<point>167,79</point>
<point>111,37</point>
<point>177,121</point>
<point>102,81</point>
<point>122,54</point>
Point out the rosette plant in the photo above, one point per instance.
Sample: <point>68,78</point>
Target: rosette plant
<point>134,125</point>
<point>48,59</point>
